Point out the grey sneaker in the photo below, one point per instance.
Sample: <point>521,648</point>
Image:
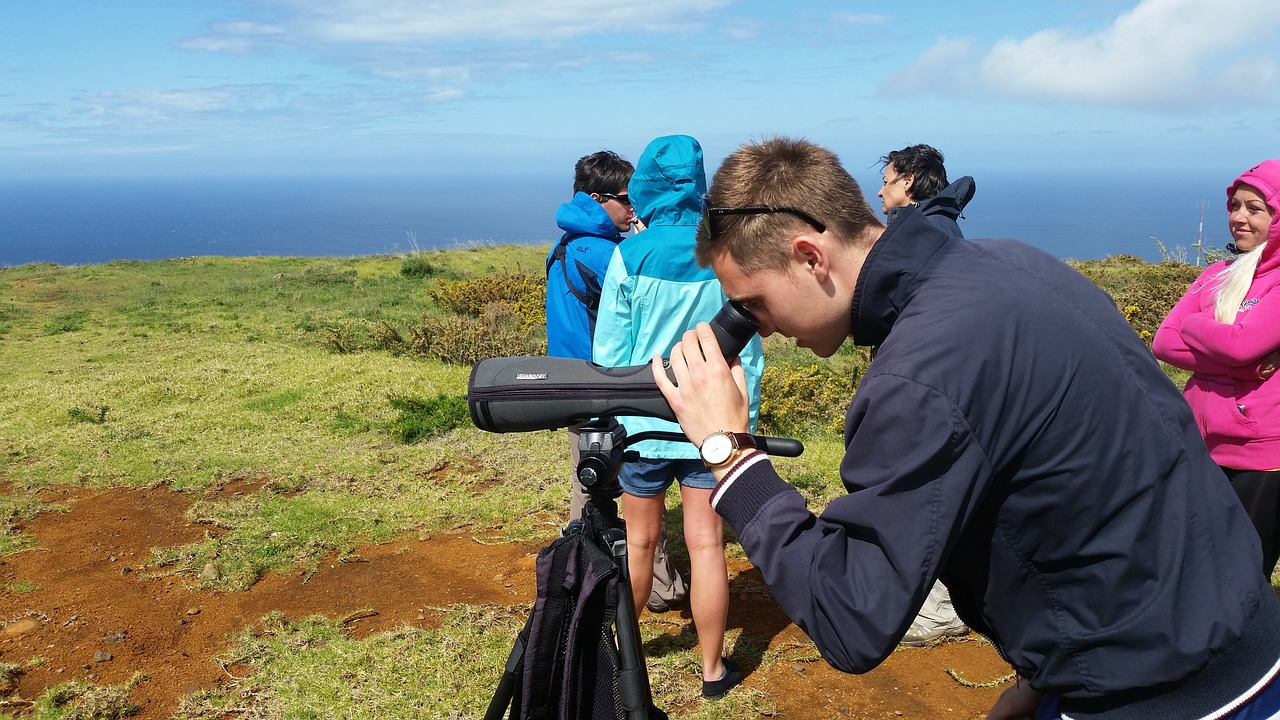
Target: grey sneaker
<point>922,636</point>
<point>658,604</point>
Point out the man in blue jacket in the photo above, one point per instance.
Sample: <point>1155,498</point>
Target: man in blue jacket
<point>1013,436</point>
<point>593,223</point>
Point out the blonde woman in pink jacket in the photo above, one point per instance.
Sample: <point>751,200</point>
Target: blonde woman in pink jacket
<point>1226,330</point>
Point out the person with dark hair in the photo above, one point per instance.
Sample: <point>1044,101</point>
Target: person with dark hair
<point>1012,436</point>
<point>1226,330</point>
<point>593,223</point>
<point>916,176</point>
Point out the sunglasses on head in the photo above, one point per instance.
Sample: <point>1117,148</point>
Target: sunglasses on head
<point>710,215</point>
<point>624,199</point>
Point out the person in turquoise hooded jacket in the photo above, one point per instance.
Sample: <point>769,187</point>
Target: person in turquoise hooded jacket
<point>652,293</point>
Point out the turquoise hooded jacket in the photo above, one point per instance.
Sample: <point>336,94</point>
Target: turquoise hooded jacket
<point>654,290</point>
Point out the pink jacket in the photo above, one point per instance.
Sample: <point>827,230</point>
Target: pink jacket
<point>1238,412</point>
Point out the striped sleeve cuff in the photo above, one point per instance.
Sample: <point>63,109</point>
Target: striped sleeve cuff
<point>734,473</point>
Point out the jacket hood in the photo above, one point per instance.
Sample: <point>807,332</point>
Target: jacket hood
<point>945,208</point>
<point>585,216</point>
<point>669,182</point>
<point>1265,177</point>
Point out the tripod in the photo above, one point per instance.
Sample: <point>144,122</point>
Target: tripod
<point>601,444</point>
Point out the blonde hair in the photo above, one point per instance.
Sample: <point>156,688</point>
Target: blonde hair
<point>1234,283</point>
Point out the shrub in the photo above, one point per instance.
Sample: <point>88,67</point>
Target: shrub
<point>460,340</point>
<point>420,419</point>
<point>417,266</point>
<point>386,337</point>
<point>93,414</point>
<point>523,295</point>
<point>800,400</point>
<point>1144,293</point>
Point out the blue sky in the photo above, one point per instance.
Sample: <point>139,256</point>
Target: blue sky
<point>173,87</point>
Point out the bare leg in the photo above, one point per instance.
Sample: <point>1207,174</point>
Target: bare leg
<point>708,578</point>
<point>644,524</point>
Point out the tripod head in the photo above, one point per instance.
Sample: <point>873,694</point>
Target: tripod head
<point>602,448</point>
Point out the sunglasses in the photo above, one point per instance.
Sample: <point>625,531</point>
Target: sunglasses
<point>624,199</point>
<point>710,214</point>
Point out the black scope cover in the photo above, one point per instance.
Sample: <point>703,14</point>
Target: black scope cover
<point>525,393</point>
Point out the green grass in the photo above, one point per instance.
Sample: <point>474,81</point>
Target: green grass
<point>192,373</point>
<point>311,668</point>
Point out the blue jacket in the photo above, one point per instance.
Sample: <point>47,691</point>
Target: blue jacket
<point>654,290</point>
<point>1015,438</point>
<point>586,247</point>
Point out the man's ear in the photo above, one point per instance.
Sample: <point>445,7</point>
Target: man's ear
<point>811,252</point>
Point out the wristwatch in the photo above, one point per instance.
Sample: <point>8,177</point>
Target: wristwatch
<point>719,447</point>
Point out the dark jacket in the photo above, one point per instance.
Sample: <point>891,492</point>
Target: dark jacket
<point>945,208</point>
<point>1015,438</point>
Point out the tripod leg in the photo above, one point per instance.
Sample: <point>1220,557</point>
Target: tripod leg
<point>504,695</point>
<point>633,676</point>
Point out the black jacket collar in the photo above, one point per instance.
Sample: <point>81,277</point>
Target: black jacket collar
<point>889,274</point>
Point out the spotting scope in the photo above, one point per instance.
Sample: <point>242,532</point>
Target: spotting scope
<point>524,393</point>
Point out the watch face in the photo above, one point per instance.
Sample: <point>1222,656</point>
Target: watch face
<point>717,449</point>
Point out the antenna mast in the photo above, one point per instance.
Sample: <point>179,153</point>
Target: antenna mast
<point>1200,234</point>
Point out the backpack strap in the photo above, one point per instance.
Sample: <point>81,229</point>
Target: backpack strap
<point>560,255</point>
<point>553,610</point>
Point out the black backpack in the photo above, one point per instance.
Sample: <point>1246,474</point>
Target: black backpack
<point>565,662</point>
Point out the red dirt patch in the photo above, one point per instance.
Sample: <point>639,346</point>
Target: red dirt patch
<point>90,598</point>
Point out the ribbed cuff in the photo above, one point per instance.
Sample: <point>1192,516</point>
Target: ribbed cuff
<point>744,490</point>
<point>734,473</point>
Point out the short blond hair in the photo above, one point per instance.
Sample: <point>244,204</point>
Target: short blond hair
<point>781,172</point>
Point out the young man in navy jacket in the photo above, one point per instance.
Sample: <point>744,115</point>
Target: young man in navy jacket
<point>1013,436</point>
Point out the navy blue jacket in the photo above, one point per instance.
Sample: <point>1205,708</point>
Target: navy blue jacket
<point>1014,437</point>
<point>945,208</point>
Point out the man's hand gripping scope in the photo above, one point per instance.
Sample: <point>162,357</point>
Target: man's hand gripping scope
<point>710,390</point>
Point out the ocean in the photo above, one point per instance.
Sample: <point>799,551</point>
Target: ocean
<point>83,221</point>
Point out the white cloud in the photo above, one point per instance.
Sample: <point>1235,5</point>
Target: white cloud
<point>1162,54</point>
<point>444,21</point>
<point>144,104</point>
<point>235,38</point>
<point>443,95</point>
<point>849,18</point>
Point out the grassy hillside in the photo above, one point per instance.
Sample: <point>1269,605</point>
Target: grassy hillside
<point>322,380</point>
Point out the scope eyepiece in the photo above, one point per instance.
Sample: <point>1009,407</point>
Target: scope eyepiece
<point>734,326</point>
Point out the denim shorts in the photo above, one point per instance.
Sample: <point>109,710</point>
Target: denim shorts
<point>649,478</point>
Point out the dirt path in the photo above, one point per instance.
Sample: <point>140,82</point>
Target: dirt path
<point>91,604</point>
